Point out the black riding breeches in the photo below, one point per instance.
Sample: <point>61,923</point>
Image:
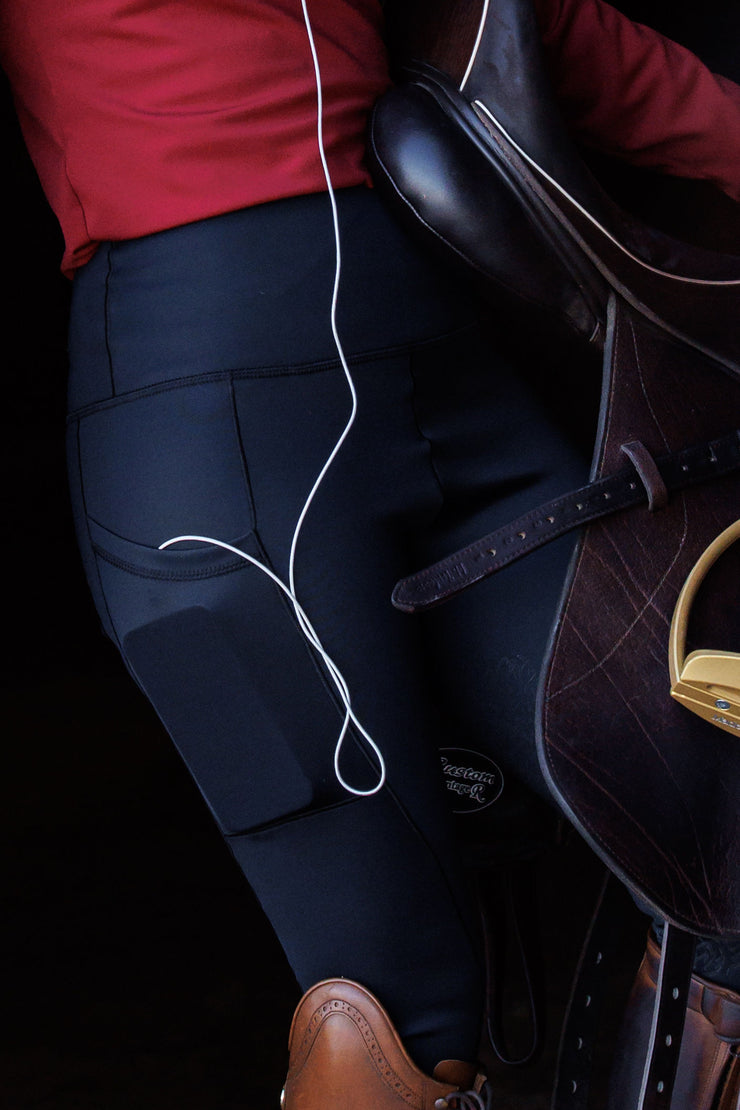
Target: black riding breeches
<point>205,396</point>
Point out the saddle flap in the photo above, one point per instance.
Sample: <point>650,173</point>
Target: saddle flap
<point>652,787</point>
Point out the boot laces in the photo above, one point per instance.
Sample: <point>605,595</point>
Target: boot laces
<point>469,1100</point>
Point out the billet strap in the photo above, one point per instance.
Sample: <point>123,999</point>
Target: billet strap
<point>647,480</point>
<point>575,1054</point>
<point>671,1000</point>
<point>571,1089</point>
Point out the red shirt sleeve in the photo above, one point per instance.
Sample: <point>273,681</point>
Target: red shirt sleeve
<point>630,92</point>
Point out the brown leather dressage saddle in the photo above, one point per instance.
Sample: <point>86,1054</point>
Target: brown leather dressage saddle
<point>471,150</point>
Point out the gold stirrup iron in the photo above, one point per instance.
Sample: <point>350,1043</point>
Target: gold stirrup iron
<point>706,681</point>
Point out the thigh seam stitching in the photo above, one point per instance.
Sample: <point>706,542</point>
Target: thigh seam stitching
<point>256,372</point>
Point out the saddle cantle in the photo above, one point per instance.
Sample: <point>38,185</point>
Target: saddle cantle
<point>471,150</point>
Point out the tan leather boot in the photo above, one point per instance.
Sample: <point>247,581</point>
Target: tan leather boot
<point>708,1075</point>
<point>346,1055</point>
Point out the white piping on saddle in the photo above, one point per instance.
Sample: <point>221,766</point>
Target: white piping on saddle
<point>661,986</point>
<point>592,219</point>
<point>478,38</point>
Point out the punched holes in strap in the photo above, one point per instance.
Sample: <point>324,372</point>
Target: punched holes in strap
<point>580,1028</point>
<point>658,477</point>
<point>674,980</point>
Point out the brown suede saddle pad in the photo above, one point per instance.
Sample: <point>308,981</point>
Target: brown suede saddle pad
<point>470,149</point>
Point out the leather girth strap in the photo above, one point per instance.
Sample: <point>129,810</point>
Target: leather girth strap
<point>647,481</point>
<point>581,1024</point>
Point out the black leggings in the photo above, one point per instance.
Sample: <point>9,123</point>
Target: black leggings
<point>205,396</point>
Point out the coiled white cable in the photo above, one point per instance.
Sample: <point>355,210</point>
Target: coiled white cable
<point>289,589</point>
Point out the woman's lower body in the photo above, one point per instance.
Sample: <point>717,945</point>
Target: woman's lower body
<point>205,397</point>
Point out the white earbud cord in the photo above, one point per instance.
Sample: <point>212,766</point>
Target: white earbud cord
<point>290,589</point>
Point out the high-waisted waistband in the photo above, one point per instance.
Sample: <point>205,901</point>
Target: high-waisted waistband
<point>253,289</point>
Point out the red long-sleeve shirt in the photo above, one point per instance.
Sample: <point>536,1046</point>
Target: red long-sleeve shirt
<point>630,92</point>
<point>145,114</point>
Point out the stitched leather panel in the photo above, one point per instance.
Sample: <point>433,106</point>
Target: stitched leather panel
<point>652,787</point>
